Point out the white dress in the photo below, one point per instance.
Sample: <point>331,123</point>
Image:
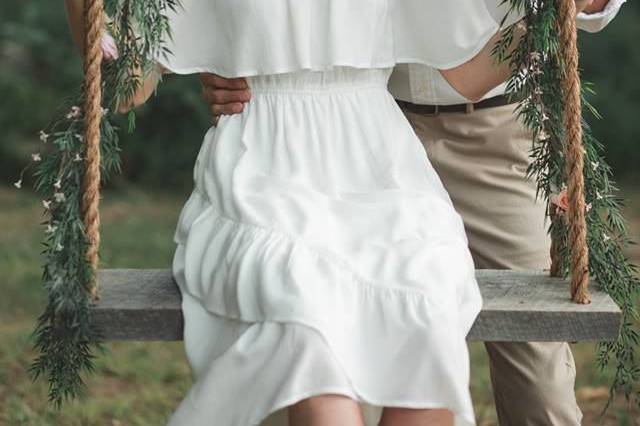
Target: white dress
<point>319,252</point>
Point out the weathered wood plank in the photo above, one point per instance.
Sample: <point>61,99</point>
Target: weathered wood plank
<point>518,306</point>
<point>531,306</point>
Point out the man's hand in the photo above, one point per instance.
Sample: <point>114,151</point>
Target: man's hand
<point>224,96</point>
<point>590,6</point>
<point>596,6</point>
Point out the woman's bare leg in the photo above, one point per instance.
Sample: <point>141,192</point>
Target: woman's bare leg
<point>326,410</point>
<point>411,417</point>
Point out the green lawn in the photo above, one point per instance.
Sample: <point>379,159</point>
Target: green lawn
<point>140,383</point>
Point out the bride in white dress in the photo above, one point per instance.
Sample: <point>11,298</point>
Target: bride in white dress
<point>320,260</point>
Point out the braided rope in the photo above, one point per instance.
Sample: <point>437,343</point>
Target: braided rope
<point>94,21</point>
<point>574,154</point>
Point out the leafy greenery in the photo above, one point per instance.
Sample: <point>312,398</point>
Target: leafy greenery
<point>540,55</point>
<point>65,336</point>
<point>39,68</point>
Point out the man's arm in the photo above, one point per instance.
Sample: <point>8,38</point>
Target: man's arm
<point>75,19</point>
<point>75,16</point>
<point>477,77</point>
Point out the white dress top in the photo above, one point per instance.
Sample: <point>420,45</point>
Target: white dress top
<point>252,37</point>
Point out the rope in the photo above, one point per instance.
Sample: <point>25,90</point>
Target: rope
<point>94,16</point>
<point>573,151</point>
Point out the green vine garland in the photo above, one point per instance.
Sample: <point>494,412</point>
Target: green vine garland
<point>64,335</point>
<point>539,55</point>
<point>66,340</point>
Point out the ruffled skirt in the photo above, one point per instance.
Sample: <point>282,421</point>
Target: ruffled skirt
<point>319,253</point>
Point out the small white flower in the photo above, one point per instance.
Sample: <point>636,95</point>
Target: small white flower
<point>43,136</point>
<point>598,195</point>
<point>588,207</point>
<point>59,247</point>
<point>77,157</point>
<point>105,111</point>
<point>36,157</point>
<point>57,184</point>
<point>595,164</point>
<point>18,184</point>
<point>46,204</point>
<point>50,229</point>
<point>605,237</point>
<point>545,117</point>
<point>59,197</point>
<point>74,112</point>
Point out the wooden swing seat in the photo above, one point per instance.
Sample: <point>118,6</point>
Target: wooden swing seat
<point>519,306</point>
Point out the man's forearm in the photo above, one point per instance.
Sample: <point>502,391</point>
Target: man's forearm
<point>75,18</point>
<point>75,15</point>
<point>478,76</point>
<point>486,73</point>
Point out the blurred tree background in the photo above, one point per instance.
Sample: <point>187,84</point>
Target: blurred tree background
<point>39,67</point>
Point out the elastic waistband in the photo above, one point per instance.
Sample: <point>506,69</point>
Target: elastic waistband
<point>337,79</point>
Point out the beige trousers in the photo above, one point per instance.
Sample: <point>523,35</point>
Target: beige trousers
<point>482,158</point>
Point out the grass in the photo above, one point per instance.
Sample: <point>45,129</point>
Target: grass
<point>140,383</point>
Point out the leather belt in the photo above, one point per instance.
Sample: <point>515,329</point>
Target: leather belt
<point>492,102</point>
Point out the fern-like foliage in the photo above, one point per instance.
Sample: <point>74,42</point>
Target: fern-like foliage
<point>64,335</point>
<point>538,64</point>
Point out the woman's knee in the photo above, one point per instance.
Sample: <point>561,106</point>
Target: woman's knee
<point>326,410</point>
<point>416,417</point>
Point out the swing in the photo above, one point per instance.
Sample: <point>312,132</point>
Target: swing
<point>136,304</point>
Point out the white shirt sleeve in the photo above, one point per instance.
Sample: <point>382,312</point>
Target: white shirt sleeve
<point>595,22</point>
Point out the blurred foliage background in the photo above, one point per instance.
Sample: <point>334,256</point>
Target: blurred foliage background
<point>38,67</point>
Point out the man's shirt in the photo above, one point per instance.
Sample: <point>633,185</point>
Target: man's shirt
<point>421,84</point>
